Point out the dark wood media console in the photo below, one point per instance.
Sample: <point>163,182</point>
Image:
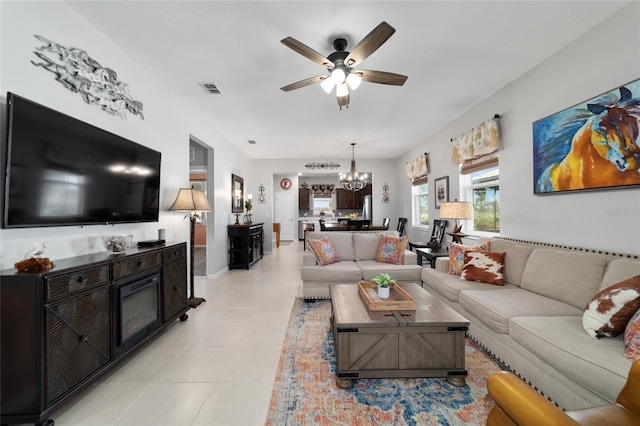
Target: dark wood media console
<point>61,329</point>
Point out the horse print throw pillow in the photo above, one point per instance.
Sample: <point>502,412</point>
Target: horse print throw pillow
<point>483,266</point>
<point>607,314</point>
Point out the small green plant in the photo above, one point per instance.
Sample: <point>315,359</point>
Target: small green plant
<point>383,280</point>
<point>248,205</point>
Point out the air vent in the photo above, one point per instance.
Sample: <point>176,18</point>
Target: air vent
<point>210,88</point>
<point>251,142</point>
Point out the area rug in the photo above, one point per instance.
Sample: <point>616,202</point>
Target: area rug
<point>305,393</point>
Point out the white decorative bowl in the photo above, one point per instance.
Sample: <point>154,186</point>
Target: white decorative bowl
<point>117,243</point>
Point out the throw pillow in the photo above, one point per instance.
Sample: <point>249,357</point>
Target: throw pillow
<point>324,251</point>
<point>483,266</point>
<point>608,312</point>
<point>632,337</point>
<point>391,249</point>
<point>456,255</point>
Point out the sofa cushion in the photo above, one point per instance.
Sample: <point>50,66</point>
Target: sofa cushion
<point>598,365</point>
<point>515,259</point>
<point>495,308</point>
<point>346,272</point>
<point>342,242</point>
<point>456,255</point>
<point>619,270</point>
<point>632,337</point>
<point>608,313</point>
<point>483,266</point>
<point>324,251</point>
<point>371,268</point>
<point>391,250</point>
<point>570,277</point>
<point>450,286</point>
<point>365,245</point>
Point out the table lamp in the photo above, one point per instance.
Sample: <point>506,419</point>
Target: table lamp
<point>458,210</point>
<point>192,201</point>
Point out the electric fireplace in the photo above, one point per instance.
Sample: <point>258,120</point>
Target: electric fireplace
<point>138,308</point>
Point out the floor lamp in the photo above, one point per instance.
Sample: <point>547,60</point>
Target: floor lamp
<point>456,210</point>
<point>193,202</point>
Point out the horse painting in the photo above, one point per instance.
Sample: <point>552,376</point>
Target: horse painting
<point>596,146</point>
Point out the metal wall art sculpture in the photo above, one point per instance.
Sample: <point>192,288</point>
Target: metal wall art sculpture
<point>329,165</point>
<point>80,73</point>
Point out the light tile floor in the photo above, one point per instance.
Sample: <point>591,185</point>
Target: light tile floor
<point>216,368</point>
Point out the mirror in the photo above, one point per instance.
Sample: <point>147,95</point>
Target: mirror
<point>237,194</point>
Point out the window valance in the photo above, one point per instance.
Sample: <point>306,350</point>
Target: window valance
<point>482,140</point>
<point>418,169</point>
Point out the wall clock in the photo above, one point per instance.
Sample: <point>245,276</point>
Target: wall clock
<point>285,183</point>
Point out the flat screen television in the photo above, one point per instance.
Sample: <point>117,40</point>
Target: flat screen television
<point>61,171</point>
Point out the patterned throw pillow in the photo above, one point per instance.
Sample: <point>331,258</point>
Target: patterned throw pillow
<point>456,255</point>
<point>324,251</point>
<point>632,337</point>
<point>608,312</point>
<point>391,249</point>
<point>483,266</point>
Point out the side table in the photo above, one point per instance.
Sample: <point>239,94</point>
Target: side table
<point>430,255</point>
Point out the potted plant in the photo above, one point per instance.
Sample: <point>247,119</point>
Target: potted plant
<point>248,205</point>
<point>383,280</point>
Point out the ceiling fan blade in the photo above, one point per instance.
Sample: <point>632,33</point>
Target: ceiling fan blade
<point>382,77</point>
<point>304,83</point>
<point>369,44</point>
<point>305,50</point>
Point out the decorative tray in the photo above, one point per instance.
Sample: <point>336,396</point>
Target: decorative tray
<point>399,300</point>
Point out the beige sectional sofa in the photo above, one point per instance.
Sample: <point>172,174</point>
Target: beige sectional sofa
<point>533,323</point>
<point>357,253</point>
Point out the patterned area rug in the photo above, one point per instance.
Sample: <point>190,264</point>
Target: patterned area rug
<point>305,392</point>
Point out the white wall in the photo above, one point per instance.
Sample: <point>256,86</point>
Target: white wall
<point>168,123</point>
<point>607,57</point>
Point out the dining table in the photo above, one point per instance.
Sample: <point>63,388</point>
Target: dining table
<point>344,227</point>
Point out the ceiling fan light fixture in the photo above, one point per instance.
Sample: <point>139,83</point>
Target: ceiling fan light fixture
<point>342,90</point>
<point>327,85</point>
<point>338,75</point>
<point>354,80</point>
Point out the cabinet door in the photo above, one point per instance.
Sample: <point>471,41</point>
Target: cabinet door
<point>78,340</point>
<point>174,283</point>
<point>303,199</point>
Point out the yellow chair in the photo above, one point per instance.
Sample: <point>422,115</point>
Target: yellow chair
<point>518,404</point>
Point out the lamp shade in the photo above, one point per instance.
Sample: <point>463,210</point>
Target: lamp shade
<point>191,199</point>
<point>456,210</point>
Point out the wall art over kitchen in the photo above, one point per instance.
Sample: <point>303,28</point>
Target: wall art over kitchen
<point>592,145</point>
<point>80,73</point>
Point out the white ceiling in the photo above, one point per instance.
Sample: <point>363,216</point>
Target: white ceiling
<point>456,53</point>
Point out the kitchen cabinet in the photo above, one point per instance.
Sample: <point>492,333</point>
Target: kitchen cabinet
<point>304,197</point>
<point>351,200</point>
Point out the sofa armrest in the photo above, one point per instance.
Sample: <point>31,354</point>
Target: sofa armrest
<point>309,259</point>
<point>518,404</point>
<point>410,258</point>
<point>442,264</point>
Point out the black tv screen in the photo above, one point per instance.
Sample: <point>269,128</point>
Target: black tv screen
<point>61,171</point>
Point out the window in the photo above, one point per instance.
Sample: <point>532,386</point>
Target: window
<point>420,205</point>
<point>483,189</point>
<point>322,205</point>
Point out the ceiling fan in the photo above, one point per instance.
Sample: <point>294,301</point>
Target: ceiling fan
<point>341,65</point>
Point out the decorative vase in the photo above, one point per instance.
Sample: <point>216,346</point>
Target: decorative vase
<point>383,292</point>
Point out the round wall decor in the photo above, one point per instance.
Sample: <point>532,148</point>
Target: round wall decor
<point>285,183</point>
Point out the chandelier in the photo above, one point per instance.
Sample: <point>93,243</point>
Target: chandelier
<point>353,181</point>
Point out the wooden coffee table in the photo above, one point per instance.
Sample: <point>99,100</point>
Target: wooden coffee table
<point>427,342</point>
